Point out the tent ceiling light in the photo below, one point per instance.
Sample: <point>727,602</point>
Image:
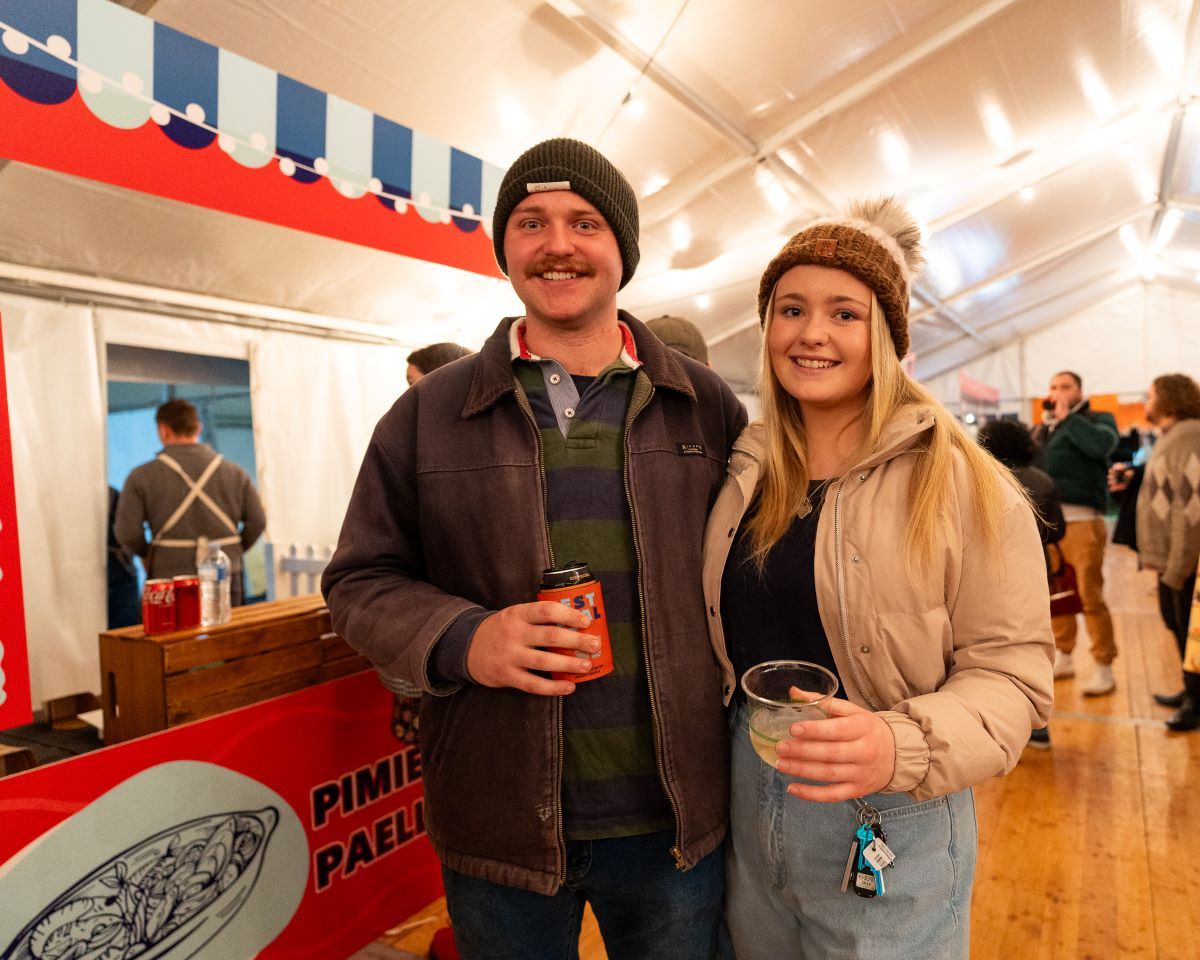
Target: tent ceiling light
<point>996,125</point>
<point>1129,237</point>
<point>681,234</point>
<point>896,151</point>
<point>704,301</point>
<point>1028,193</point>
<point>1099,98</point>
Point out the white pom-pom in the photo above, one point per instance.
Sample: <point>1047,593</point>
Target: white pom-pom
<point>889,216</point>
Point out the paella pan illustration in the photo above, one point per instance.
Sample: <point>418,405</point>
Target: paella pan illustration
<point>164,897</point>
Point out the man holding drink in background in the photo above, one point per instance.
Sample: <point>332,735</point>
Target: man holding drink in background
<point>573,436</point>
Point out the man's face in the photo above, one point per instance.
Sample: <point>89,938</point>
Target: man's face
<point>1064,389</point>
<point>1152,412</point>
<point>563,260</point>
<point>413,374</point>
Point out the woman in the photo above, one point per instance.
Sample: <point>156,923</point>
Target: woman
<point>861,528</point>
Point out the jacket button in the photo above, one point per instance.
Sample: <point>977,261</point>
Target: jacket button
<point>862,476</point>
<point>856,559</point>
<point>712,611</point>
<point>731,531</point>
<point>728,690</point>
<point>864,649</point>
<point>555,378</point>
<point>569,413</point>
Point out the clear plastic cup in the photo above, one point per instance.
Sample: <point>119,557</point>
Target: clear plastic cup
<point>780,693</point>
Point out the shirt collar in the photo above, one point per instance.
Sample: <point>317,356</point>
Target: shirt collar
<point>519,349</point>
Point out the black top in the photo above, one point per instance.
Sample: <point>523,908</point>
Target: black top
<point>774,616</point>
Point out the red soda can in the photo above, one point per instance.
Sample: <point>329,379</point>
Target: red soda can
<point>158,607</point>
<point>187,602</point>
<point>574,586</point>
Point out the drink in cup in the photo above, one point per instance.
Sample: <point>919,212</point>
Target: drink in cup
<point>780,693</point>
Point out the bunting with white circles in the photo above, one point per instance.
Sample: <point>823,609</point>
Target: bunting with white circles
<point>93,89</point>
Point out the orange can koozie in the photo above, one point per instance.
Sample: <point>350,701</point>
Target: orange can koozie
<point>574,586</point>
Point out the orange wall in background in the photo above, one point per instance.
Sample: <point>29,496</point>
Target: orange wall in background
<point>1126,414</point>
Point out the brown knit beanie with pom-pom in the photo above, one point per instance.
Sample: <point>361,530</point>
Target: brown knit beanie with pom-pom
<point>877,241</point>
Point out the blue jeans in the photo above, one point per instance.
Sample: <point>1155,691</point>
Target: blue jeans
<point>786,858</point>
<point>646,908</point>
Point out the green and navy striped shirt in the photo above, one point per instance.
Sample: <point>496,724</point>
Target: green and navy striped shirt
<point>611,784</point>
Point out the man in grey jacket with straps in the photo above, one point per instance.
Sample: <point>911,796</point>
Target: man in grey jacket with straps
<point>187,492</point>
<point>573,435</point>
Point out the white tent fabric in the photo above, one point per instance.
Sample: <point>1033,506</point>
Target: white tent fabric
<point>315,402</point>
<point>56,412</point>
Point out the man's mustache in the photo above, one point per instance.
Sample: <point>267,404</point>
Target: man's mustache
<point>539,267</point>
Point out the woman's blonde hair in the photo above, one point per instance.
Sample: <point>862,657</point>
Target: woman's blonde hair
<point>785,475</point>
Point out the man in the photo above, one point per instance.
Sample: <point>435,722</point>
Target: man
<point>1168,521</point>
<point>187,492</point>
<point>680,334</point>
<point>573,435</point>
<point>1075,446</point>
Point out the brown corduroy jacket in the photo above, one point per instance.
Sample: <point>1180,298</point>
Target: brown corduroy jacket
<point>448,517</point>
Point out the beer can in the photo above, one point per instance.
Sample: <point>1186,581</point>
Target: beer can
<point>574,586</point>
<point>158,607</point>
<point>187,602</point>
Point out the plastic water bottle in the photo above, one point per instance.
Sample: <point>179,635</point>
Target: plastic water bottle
<point>214,587</point>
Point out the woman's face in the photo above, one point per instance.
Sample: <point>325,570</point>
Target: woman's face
<point>819,337</point>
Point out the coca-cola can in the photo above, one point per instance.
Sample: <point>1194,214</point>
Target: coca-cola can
<point>158,607</point>
<point>187,602</point>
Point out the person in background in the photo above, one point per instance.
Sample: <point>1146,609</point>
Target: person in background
<point>423,362</point>
<point>187,492</point>
<point>680,334</point>
<point>1074,446</point>
<point>1010,442</point>
<point>1168,522</point>
<point>124,605</point>
<point>862,529</point>
<point>573,435</point>
<point>406,702</point>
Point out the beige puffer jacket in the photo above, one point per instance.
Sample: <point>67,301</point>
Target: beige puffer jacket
<point>959,667</point>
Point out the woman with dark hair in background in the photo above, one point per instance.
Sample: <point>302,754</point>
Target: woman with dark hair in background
<point>423,362</point>
<point>1011,443</point>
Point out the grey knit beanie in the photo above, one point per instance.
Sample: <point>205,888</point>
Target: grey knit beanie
<point>564,164</point>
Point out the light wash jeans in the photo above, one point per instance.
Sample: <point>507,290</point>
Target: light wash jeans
<point>786,858</point>
<point>645,907</point>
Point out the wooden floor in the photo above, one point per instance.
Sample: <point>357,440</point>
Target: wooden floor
<point>1085,849</point>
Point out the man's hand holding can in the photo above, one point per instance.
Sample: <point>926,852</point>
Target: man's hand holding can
<point>509,646</point>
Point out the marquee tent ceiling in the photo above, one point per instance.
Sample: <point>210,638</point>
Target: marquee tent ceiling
<point>1051,149</point>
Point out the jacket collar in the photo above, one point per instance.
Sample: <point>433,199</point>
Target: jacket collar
<point>900,435</point>
<point>493,376</point>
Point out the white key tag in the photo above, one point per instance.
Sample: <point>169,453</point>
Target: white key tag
<point>878,854</point>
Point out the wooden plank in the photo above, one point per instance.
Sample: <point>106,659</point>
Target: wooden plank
<point>241,617</point>
<point>211,681</point>
<point>197,708</point>
<point>334,647</point>
<point>131,688</point>
<point>332,669</point>
<point>247,641</point>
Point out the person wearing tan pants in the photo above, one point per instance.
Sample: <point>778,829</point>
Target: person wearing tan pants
<point>1083,548</point>
<point>1075,445</point>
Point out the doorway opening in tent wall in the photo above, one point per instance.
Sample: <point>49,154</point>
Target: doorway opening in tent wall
<point>139,381</point>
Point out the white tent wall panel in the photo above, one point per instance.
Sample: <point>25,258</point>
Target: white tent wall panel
<point>1117,347</point>
<point>315,403</point>
<point>55,404</point>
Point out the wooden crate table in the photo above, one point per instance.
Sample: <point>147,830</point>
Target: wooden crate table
<point>267,649</point>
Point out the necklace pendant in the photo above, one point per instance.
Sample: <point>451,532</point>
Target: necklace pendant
<point>805,508</point>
